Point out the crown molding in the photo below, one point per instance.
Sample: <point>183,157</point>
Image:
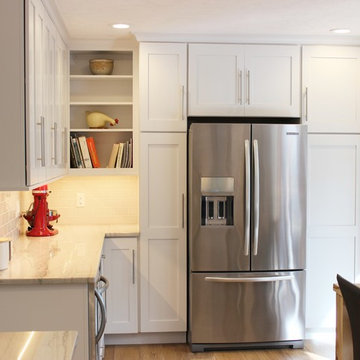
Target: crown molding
<point>250,39</point>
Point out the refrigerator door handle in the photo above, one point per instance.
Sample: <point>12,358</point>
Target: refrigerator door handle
<point>249,279</point>
<point>247,198</point>
<point>256,196</point>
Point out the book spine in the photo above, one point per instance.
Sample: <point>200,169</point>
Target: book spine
<point>92,151</point>
<point>73,163</point>
<point>85,151</point>
<point>131,153</point>
<point>113,156</point>
<point>77,152</point>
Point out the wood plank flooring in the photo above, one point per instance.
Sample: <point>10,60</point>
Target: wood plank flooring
<point>314,350</point>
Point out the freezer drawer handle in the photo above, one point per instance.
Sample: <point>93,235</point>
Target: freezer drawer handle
<point>250,279</point>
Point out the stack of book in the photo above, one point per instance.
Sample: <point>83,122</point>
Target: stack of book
<point>121,155</point>
<point>83,152</point>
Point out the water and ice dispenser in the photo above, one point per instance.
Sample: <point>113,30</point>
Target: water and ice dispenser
<point>217,201</point>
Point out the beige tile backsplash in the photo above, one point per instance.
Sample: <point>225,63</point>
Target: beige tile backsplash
<point>108,200</point>
<point>9,214</point>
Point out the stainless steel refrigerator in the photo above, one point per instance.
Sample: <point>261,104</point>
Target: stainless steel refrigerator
<point>247,229</point>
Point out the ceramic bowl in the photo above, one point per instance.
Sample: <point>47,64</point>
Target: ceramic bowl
<point>101,66</point>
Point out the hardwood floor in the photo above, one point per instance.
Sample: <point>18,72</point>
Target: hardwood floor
<point>314,350</point>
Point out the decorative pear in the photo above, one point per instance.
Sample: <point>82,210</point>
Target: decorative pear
<point>98,120</point>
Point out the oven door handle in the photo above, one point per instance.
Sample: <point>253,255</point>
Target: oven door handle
<point>106,282</point>
<point>103,316</point>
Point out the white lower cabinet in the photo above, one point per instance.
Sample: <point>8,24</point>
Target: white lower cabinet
<point>163,232</point>
<point>51,307</point>
<point>120,269</point>
<point>333,222</point>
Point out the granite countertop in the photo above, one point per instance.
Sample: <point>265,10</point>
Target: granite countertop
<point>37,345</point>
<point>72,256</point>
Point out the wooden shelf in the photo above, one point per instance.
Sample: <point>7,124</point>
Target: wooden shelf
<point>109,103</point>
<point>101,130</point>
<point>101,77</point>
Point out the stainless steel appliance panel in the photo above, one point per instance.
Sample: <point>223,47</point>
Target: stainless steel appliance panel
<point>235,308</point>
<point>219,157</point>
<point>278,197</point>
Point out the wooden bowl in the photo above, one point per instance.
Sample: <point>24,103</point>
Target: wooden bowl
<point>101,66</point>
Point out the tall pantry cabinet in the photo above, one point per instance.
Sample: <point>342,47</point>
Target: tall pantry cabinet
<point>33,98</point>
<point>163,187</point>
<point>331,104</point>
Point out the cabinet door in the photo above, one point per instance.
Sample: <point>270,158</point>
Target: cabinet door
<point>162,87</point>
<point>272,80</point>
<point>49,96</point>
<point>216,80</point>
<point>36,151</point>
<point>121,297</point>
<point>60,123</point>
<point>333,222</point>
<point>163,232</point>
<point>331,88</point>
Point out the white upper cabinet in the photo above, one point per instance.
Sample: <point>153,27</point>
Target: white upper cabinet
<point>30,91</point>
<point>216,74</point>
<point>244,80</point>
<point>331,89</point>
<point>162,87</point>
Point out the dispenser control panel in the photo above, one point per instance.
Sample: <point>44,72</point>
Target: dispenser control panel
<point>217,201</point>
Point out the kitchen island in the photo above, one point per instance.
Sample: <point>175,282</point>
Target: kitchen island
<point>38,345</point>
<point>50,283</point>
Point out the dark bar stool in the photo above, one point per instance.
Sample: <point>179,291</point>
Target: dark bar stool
<point>351,295</point>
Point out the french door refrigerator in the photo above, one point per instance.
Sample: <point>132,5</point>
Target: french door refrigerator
<point>247,229</point>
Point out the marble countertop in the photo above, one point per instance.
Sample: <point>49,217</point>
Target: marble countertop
<point>72,256</point>
<point>37,345</point>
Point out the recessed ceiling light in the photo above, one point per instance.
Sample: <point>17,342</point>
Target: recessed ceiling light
<point>120,26</point>
<point>340,31</point>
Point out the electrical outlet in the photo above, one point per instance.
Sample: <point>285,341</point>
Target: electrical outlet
<point>80,199</point>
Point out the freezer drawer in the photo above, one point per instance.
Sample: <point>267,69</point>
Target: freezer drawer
<point>236,308</point>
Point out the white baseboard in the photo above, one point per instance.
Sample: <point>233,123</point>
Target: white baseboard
<point>146,338</point>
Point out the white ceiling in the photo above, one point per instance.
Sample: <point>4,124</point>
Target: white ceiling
<point>92,19</point>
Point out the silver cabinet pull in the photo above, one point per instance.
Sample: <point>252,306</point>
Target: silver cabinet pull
<point>240,87</point>
<point>55,143</point>
<point>183,211</point>
<point>133,266</point>
<point>182,102</point>
<point>248,87</point>
<point>65,150</point>
<point>247,198</point>
<point>249,279</point>
<point>42,140</point>
<point>256,196</point>
<point>306,104</point>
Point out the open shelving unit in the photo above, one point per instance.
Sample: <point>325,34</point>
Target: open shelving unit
<point>112,95</point>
